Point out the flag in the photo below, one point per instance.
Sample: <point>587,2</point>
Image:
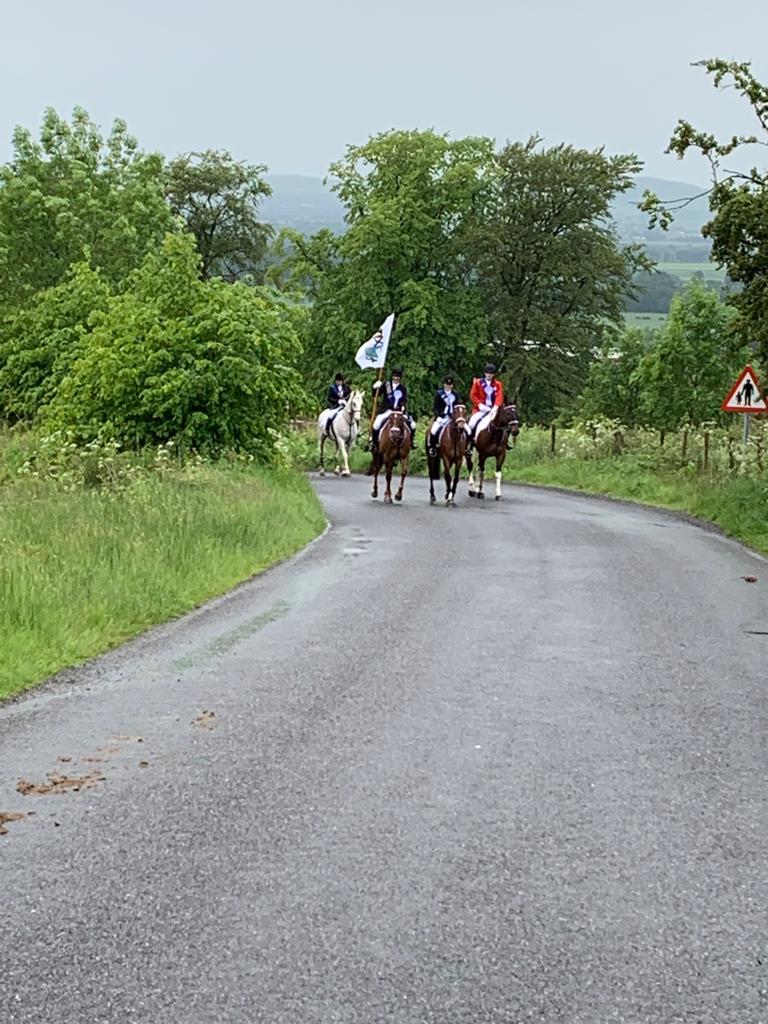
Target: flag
<point>372,354</point>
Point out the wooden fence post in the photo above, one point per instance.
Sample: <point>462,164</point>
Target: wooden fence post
<point>552,438</point>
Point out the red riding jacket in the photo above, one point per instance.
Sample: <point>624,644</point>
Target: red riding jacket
<point>478,397</point>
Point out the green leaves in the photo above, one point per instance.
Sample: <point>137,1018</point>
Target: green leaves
<point>173,358</point>
<point>685,375</point>
<point>74,194</point>
<point>218,199</point>
<point>554,275</point>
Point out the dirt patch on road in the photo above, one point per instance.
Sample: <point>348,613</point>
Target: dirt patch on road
<point>59,784</point>
<point>6,816</point>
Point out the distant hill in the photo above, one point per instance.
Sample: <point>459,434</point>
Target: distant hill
<point>306,204</point>
<point>686,227</point>
<point>303,203</point>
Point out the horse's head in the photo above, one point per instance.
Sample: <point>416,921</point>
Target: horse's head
<point>508,419</point>
<point>459,416</point>
<point>356,405</point>
<point>396,424</point>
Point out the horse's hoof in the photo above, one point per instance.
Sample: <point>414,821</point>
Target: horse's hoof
<point>497,498</point>
<point>345,472</point>
<point>472,494</point>
<point>432,501</point>
<point>398,497</point>
<point>387,500</point>
<point>479,494</point>
<point>322,472</point>
<point>335,472</point>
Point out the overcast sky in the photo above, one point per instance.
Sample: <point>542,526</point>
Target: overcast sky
<point>291,84</point>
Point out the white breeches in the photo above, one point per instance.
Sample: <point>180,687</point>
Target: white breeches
<point>476,418</point>
<point>382,418</point>
<point>437,426</point>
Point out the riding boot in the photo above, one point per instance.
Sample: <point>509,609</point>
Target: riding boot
<point>432,450</point>
<point>373,442</point>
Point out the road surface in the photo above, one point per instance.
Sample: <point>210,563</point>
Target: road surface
<point>501,763</point>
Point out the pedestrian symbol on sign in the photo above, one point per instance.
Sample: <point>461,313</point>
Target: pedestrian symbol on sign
<point>745,395</point>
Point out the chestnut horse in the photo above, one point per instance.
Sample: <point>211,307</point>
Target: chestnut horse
<point>451,448</point>
<point>491,442</point>
<point>395,440</point>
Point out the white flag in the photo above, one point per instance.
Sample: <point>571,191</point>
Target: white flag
<point>372,354</point>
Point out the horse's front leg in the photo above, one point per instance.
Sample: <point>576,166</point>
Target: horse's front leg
<point>346,450</point>
<point>447,478</point>
<point>480,475</point>
<point>499,466</point>
<point>341,450</point>
<point>471,481</point>
<point>456,475</point>
<point>322,447</point>
<point>404,474</point>
<point>376,468</point>
<point>433,471</point>
<point>389,466</point>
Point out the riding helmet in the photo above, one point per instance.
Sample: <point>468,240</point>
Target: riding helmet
<point>339,376</point>
<point>447,380</point>
<point>397,373</point>
<point>489,368</point>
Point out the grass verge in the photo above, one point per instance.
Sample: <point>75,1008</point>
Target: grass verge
<point>83,569</point>
<point>737,504</point>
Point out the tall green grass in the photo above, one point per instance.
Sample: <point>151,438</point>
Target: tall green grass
<point>83,568</point>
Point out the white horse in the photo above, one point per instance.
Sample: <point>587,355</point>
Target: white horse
<point>341,427</point>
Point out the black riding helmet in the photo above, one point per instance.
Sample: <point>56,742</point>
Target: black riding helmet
<point>339,376</point>
<point>489,368</point>
<point>397,373</point>
<point>448,380</point>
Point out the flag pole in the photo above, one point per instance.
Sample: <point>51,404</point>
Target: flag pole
<point>375,401</point>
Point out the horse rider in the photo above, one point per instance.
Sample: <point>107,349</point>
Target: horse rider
<point>445,399</point>
<point>394,396</point>
<point>338,393</point>
<point>485,395</point>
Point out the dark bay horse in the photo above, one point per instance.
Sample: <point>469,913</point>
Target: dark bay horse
<point>491,442</point>
<point>452,447</point>
<point>395,440</point>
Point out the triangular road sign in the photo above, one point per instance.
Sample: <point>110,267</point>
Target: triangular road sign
<point>745,395</point>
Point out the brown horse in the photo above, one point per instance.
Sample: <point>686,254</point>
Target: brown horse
<point>491,442</point>
<point>395,440</point>
<point>452,447</point>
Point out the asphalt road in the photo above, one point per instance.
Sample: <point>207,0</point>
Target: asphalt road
<point>506,762</point>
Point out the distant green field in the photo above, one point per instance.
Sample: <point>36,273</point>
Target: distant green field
<point>685,271</point>
<point>646,321</point>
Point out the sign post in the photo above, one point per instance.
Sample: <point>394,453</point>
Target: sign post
<point>745,397</point>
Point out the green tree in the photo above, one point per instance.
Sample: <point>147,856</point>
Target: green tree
<point>219,198</point>
<point>686,374</point>
<point>738,200</point>
<point>73,195</point>
<point>40,342</point>
<point>555,275</point>
<point>414,201</point>
<point>174,358</point>
<point>613,387</point>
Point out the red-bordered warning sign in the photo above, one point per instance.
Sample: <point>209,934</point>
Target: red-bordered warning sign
<point>745,395</point>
